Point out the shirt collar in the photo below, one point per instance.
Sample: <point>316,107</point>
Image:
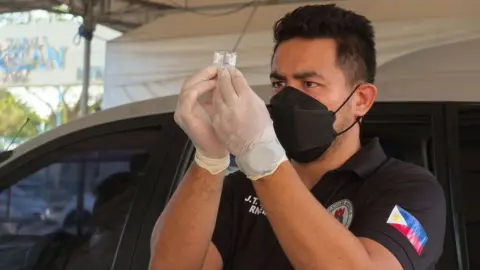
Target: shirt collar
<point>369,158</point>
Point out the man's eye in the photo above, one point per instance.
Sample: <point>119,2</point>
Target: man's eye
<point>277,84</point>
<point>310,84</point>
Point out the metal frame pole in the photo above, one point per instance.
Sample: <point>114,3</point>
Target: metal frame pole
<point>86,31</point>
<point>60,90</point>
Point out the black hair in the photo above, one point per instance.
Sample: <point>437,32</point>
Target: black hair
<point>353,33</point>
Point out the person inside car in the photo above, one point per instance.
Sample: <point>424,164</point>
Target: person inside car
<point>114,196</point>
<point>308,194</point>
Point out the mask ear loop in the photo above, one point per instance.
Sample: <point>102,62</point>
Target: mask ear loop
<point>347,99</point>
<point>357,120</point>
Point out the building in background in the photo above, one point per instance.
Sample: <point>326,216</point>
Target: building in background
<point>46,54</point>
<point>41,66</point>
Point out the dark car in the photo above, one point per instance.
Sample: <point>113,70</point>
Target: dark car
<point>128,161</point>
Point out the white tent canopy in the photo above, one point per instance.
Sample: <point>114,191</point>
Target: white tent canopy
<point>155,59</point>
<point>444,73</point>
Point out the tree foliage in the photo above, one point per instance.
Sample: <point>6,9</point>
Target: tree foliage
<point>13,114</point>
<point>68,111</point>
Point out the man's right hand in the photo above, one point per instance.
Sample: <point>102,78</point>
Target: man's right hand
<point>194,117</point>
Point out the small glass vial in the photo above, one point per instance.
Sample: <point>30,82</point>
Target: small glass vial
<point>224,58</point>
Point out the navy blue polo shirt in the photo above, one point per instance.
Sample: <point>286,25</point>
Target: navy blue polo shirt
<point>397,204</point>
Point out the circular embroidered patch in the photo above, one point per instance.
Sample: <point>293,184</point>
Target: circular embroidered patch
<point>342,211</point>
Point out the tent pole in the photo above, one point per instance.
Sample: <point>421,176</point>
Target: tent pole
<point>86,31</point>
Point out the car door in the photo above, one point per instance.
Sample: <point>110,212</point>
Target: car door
<point>82,196</point>
<point>416,133</point>
<point>464,132</point>
<point>173,168</point>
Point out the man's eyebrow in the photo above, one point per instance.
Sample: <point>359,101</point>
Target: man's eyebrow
<point>298,76</point>
<point>307,74</point>
<point>277,76</point>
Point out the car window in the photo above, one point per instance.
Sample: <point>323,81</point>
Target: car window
<point>70,213</point>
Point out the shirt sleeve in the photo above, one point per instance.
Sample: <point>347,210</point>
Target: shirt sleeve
<point>407,216</point>
<point>223,233</point>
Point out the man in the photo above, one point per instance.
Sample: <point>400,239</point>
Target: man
<point>308,195</point>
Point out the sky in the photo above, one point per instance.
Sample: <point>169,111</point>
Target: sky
<point>20,17</point>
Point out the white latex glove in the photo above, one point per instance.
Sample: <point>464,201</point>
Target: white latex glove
<point>243,123</point>
<point>193,117</point>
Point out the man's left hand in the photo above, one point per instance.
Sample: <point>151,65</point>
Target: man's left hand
<point>243,123</point>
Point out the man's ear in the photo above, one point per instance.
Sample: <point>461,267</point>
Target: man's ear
<point>365,97</point>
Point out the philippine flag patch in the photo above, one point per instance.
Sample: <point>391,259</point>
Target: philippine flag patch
<point>409,226</point>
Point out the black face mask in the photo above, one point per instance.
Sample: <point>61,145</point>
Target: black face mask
<point>303,125</point>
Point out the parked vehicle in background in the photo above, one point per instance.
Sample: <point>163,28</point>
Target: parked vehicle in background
<point>105,179</point>
<point>18,205</point>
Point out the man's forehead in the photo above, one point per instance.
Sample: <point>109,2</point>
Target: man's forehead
<point>299,56</point>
